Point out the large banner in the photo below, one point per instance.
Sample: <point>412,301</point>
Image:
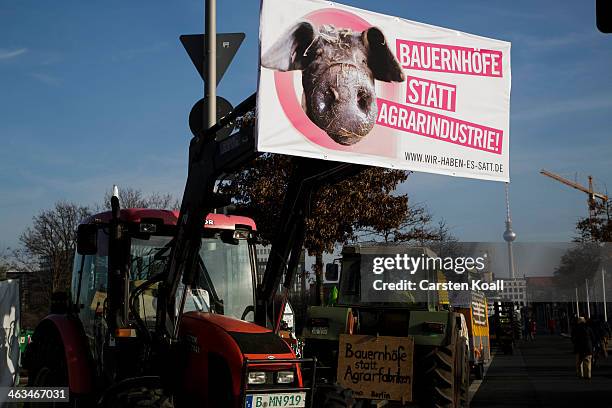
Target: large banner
<point>340,83</point>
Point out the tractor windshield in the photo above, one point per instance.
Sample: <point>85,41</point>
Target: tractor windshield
<point>356,289</point>
<point>224,282</point>
<point>228,266</point>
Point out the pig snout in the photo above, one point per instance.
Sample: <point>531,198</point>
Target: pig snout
<point>342,101</point>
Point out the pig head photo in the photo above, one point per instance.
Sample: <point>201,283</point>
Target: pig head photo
<point>338,68</point>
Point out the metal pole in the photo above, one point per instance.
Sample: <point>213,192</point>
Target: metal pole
<point>586,286</point>
<point>577,304</point>
<point>211,60</point>
<point>603,288</point>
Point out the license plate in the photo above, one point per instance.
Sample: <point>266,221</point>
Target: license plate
<point>293,400</point>
<point>321,331</point>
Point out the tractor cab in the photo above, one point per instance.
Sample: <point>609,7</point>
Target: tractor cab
<point>364,279</point>
<point>225,276</point>
<point>364,306</point>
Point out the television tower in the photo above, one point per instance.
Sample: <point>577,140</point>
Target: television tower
<point>509,236</point>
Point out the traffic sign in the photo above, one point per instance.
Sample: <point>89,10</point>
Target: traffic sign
<point>227,46</point>
<point>199,116</point>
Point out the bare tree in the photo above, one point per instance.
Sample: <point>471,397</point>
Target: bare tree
<point>50,242</point>
<point>130,197</point>
<point>5,264</point>
<point>598,227</point>
<point>338,212</point>
<point>414,225</point>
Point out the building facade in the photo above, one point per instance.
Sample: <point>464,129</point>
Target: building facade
<point>515,290</point>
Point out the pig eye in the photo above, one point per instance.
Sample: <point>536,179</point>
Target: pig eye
<point>363,99</point>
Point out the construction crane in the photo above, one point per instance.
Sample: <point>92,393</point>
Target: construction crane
<point>588,190</point>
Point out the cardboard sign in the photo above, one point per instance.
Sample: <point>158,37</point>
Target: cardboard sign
<point>376,367</point>
<point>97,302</point>
<point>345,84</point>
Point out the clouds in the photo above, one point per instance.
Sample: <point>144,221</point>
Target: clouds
<point>46,79</point>
<point>6,54</point>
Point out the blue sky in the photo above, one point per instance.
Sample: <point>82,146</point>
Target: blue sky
<point>96,93</point>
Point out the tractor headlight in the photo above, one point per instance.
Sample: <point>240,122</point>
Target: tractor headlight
<point>257,377</point>
<point>284,377</point>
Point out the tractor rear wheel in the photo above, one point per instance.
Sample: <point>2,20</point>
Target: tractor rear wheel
<point>47,367</point>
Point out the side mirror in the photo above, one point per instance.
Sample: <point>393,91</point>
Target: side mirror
<point>331,272</point>
<point>87,239</point>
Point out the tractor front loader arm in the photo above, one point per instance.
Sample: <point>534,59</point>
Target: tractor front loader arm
<point>307,178</point>
<point>208,159</point>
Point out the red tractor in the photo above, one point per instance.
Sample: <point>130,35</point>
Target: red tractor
<point>222,359</point>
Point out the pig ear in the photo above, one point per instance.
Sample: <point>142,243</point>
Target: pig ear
<point>381,60</point>
<point>290,52</point>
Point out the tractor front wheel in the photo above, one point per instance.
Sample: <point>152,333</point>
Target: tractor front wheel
<point>139,397</point>
<point>462,377</point>
<point>333,396</point>
<point>442,375</point>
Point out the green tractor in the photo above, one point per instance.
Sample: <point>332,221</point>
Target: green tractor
<point>439,372</point>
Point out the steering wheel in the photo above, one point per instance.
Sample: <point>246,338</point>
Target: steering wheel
<point>247,310</point>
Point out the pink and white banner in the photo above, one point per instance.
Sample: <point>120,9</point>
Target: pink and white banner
<point>344,84</point>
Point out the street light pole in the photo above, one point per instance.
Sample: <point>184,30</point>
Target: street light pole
<point>577,303</point>
<point>586,286</point>
<point>211,60</point>
<point>603,288</point>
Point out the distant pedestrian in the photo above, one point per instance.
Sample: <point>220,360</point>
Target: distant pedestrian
<point>607,333</point>
<point>552,325</point>
<point>582,337</point>
<point>527,328</point>
<point>600,335</point>
<point>532,329</point>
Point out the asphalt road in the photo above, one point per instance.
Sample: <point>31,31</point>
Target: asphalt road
<point>542,374</point>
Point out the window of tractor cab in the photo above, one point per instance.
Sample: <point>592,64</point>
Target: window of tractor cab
<point>93,282</point>
<point>350,281</point>
<point>224,281</point>
<point>228,265</point>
